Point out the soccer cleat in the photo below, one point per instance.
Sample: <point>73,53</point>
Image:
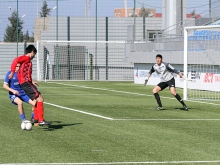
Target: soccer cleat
<point>145,82</point>
<point>36,123</point>
<point>159,108</point>
<point>42,123</point>
<point>32,120</point>
<point>185,108</point>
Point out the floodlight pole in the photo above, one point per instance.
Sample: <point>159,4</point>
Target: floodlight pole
<point>96,38</point>
<point>57,22</point>
<point>37,8</point>
<point>134,19</point>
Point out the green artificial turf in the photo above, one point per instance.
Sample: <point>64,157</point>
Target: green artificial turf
<point>110,122</point>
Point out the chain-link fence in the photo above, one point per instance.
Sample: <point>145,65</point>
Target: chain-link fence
<point>29,17</point>
<point>32,20</point>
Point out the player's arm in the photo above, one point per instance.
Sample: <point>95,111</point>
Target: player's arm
<point>185,78</point>
<point>35,83</point>
<point>148,75</point>
<point>170,67</point>
<point>5,86</point>
<point>17,60</point>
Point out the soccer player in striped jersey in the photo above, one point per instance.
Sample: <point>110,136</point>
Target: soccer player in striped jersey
<point>29,86</point>
<point>165,72</point>
<point>16,93</point>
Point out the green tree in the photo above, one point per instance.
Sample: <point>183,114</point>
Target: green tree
<point>27,37</point>
<point>193,14</point>
<point>31,39</point>
<point>11,29</point>
<point>133,13</point>
<point>45,11</point>
<point>145,12</point>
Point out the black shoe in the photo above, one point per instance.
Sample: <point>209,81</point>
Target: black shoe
<point>32,120</point>
<point>36,123</point>
<point>159,108</point>
<point>42,123</point>
<point>185,108</point>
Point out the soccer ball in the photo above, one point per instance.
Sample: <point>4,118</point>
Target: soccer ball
<point>26,125</point>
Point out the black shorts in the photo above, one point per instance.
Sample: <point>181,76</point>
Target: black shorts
<point>30,90</point>
<point>170,83</point>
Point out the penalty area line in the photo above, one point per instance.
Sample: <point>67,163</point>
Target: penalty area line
<point>132,93</point>
<point>129,119</point>
<point>75,110</point>
<point>114,163</point>
<point>166,119</point>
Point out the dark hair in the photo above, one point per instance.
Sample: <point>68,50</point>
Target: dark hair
<point>31,48</point>
<point>159,55</point>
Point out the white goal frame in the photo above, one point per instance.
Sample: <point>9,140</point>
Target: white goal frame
<point>186,51</point>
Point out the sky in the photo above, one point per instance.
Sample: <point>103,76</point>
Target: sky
<point>29,9</point>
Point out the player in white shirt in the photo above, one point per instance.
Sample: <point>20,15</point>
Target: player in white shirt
<point>165,72</point>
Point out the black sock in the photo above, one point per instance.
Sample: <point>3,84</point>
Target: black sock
<point>180,99</point>
<point>157,97</point>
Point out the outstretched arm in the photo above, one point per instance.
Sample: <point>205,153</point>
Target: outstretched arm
<point>185,78</point>
<point>148,75</point>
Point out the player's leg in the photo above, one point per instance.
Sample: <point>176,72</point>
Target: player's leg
<point>155,91</point>
<point>26,99</point>
<point>33,103</point>
<point>32,91</point>
<point>171,84</point>
<point>40,109</point>
<point>19,103</point>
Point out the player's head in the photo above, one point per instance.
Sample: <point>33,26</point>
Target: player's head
<point>17,67</point>
<point>31,51</point>
<point>159,59</point>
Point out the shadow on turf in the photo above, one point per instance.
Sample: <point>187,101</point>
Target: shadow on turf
<point>182,109</point>
<point>58,126</point>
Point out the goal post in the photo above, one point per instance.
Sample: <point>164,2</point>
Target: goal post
<point>83,60</point>
<point>202,62</point>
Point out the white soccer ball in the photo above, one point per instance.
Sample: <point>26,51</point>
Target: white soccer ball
<point>26,125</point>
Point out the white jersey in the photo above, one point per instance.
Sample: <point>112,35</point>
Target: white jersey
<point>164,70</point>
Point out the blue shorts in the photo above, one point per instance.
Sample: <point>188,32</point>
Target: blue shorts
<point>24,98</point>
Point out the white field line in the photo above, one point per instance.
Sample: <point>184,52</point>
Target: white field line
<point>78,94</point>
<point>109,118</point>
<point>166,119</point>
<point>139,94</point>
<point>75,110</point>
<point>114,163</point>
<point>127,119</point>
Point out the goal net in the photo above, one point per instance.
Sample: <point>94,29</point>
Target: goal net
<point>82,60</point>
<point>202,62</point>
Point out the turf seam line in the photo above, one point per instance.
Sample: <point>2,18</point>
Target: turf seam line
<point>83,112</point>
